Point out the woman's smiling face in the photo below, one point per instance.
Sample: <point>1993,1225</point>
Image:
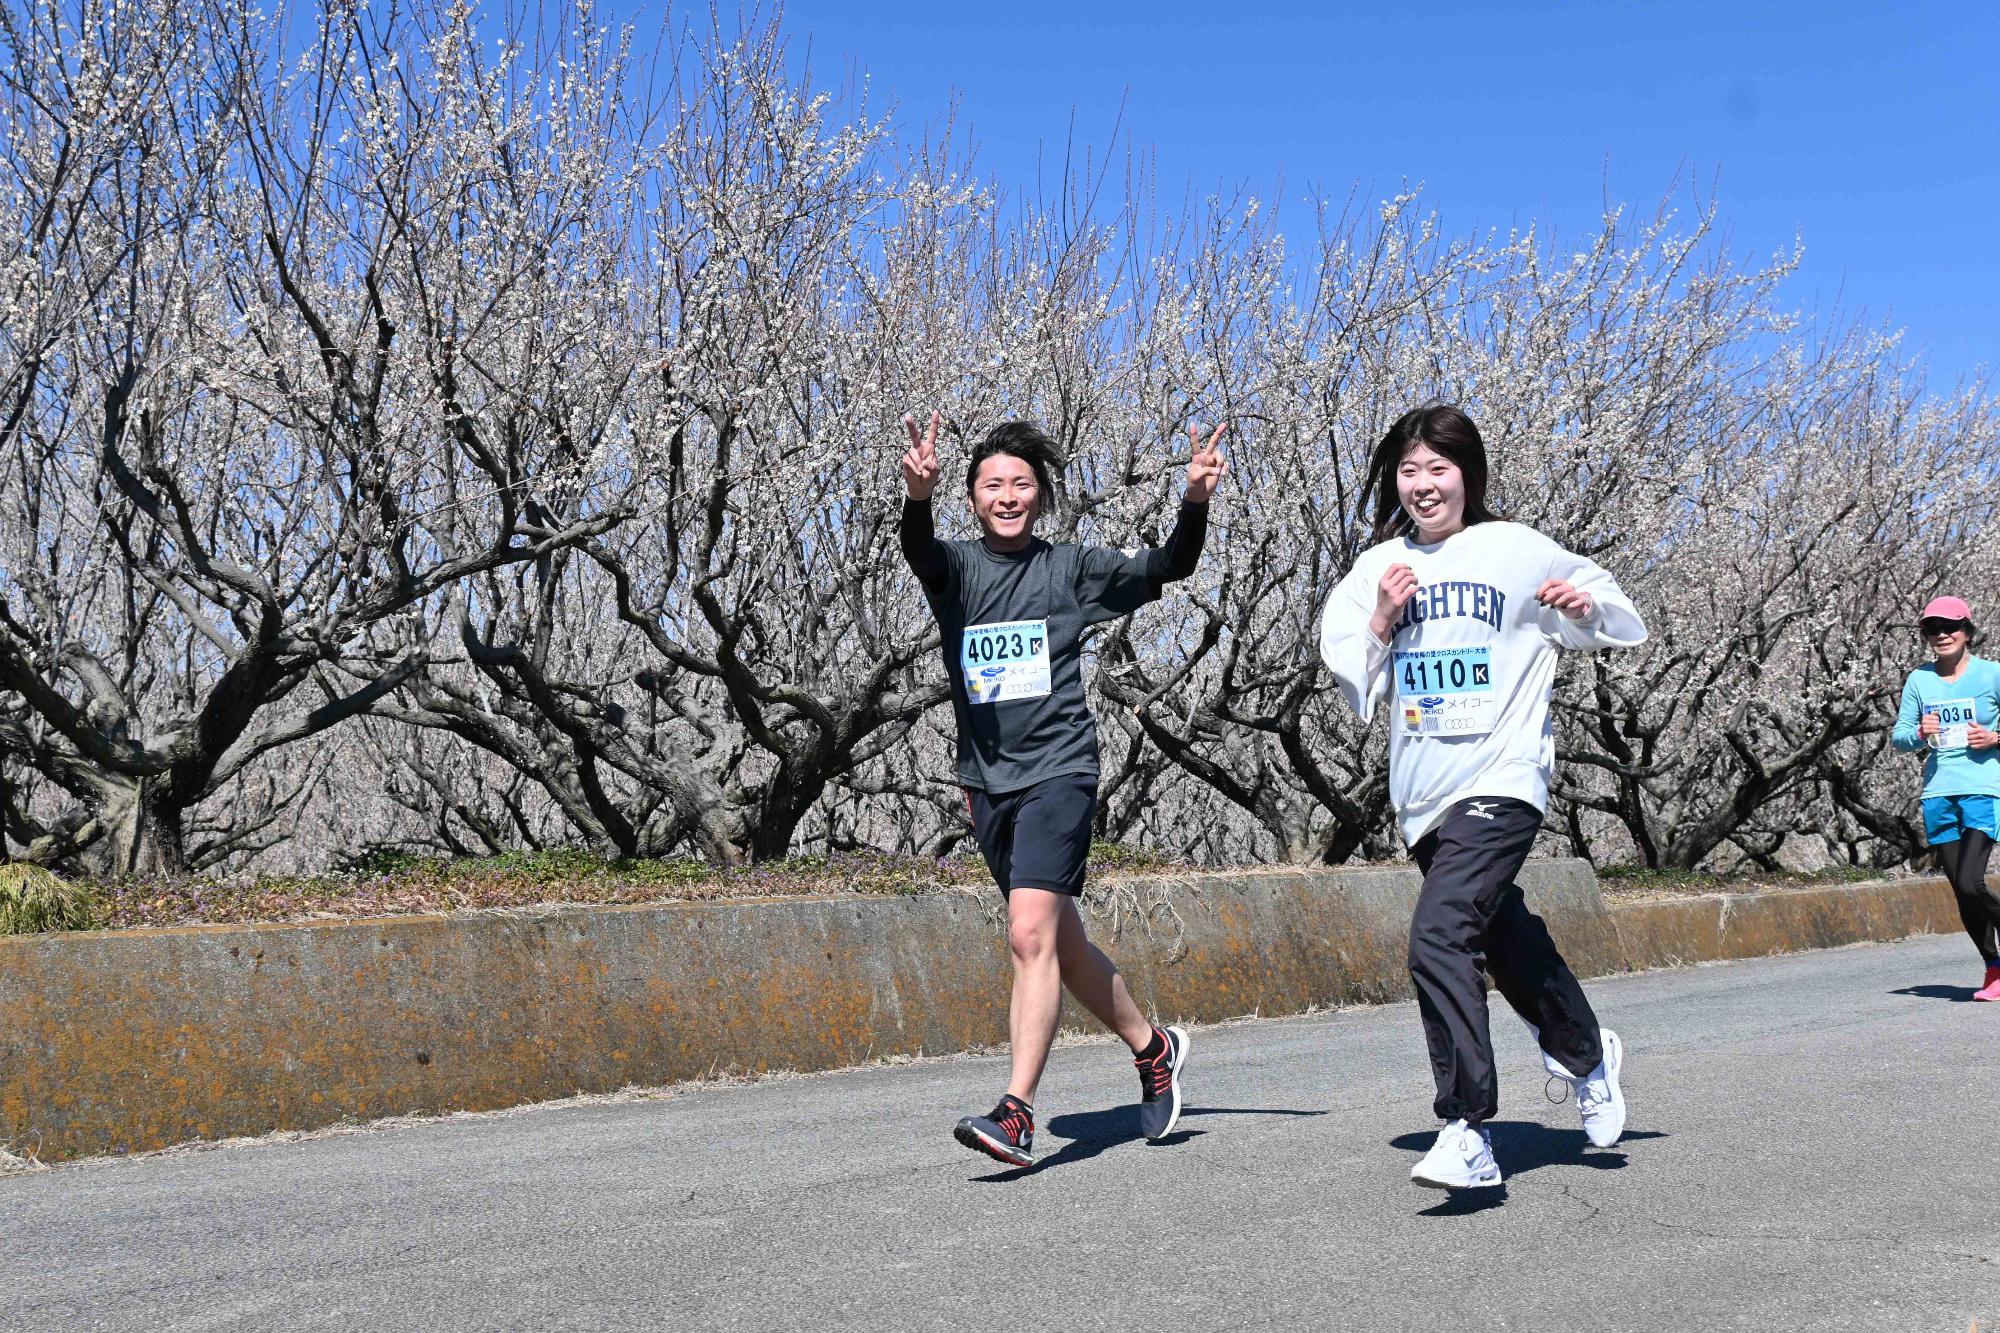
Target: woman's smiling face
<point>1431,490</point>
<point>1947,638</point>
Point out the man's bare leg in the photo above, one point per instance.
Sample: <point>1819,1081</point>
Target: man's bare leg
<point>1094,979</point>
<point>1034,923</point>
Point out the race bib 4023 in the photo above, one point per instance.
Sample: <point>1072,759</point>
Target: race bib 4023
<point>1006,660</point>
<point>1446,692</point>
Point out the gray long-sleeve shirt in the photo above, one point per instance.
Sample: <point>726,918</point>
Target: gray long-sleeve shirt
<point>1012,624</point>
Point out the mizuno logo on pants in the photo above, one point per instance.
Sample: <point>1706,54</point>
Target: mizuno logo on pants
<point>1480,810</point>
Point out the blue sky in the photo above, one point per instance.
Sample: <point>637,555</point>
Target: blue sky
<point>1870,130</point>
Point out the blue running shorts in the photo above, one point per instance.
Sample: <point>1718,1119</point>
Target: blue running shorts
<point>1947,817</point>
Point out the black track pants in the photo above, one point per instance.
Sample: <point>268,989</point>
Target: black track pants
<point>1470,920</point>
<point>1965,860</point>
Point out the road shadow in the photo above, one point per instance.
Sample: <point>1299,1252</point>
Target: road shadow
<point>1521,1146</point>
<point>1245,1110</point>
<point>1464,1203</point>
<point>1956,994</point>
<point>1091,1132</point>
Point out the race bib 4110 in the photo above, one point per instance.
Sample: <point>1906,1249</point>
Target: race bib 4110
<point>1006,660</point>
<point>1446,692</point>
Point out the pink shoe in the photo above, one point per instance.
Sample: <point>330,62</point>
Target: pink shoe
<point>1991,990</point>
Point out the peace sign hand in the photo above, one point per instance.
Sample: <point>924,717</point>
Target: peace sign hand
<point>920,462</point>
<point>1207,467</point>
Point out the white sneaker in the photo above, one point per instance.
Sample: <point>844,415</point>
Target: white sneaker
<point>1598,1098</point>
<point>1461,1159</point>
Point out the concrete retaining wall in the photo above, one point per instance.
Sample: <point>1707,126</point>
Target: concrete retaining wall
<point>120,1041</point>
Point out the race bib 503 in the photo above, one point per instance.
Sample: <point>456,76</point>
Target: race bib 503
<point>1954,717</point>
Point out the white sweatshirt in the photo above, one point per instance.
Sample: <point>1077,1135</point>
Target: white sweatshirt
<point>1471,663</point>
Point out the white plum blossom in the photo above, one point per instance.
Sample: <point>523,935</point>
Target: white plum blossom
<point>411,439</point>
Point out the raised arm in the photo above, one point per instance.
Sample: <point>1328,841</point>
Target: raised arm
<point>918,530</point>
<point>1113,583</point>
<point>1182,552</point>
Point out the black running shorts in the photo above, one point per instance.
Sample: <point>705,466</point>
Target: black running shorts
<point>1038,837</point>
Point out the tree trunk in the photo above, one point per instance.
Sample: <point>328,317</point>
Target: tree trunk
<point>147,836</point>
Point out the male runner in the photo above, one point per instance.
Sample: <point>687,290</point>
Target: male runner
<point>1012,609</point>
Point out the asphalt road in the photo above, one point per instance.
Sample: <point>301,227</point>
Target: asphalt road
<point>1812,1144</point>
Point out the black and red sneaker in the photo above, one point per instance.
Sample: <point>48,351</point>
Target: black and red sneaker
<point>1007,1132</point>
<point>1160,1084</point>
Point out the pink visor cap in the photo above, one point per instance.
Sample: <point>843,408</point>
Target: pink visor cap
<point>1946,608</point>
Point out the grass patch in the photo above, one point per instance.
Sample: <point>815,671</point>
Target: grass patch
<point>1112,858</point>
<point>1629,881</point>
<point>32,899</point>
<point>399,884</point>
<point>554,865</point>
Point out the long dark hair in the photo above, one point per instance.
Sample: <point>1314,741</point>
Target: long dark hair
<point>1450,434</point>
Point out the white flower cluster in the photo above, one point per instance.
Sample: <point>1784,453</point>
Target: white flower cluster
<point>519,420</point>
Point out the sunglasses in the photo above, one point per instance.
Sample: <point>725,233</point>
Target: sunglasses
<point>1931,627</point>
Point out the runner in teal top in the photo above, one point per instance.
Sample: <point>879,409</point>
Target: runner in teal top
<point>1950,710</point>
